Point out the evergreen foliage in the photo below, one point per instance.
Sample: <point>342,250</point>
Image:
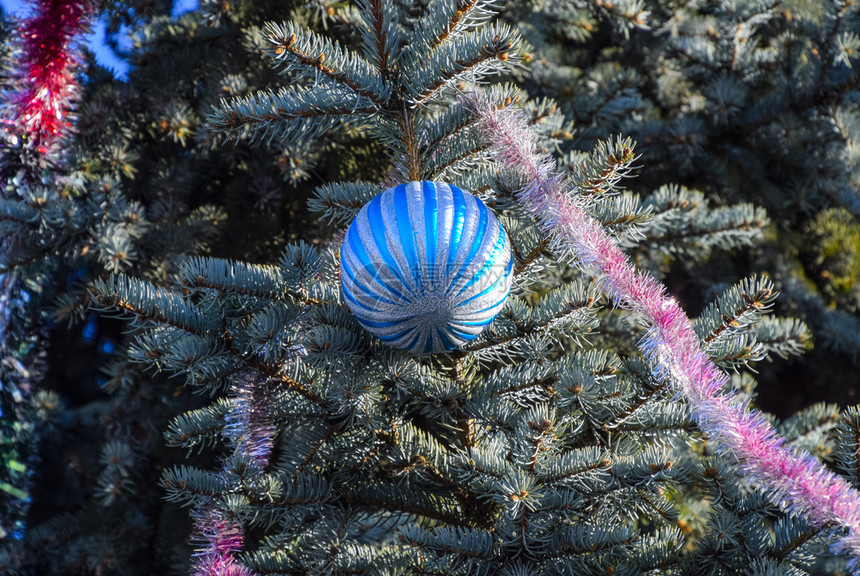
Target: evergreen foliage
<point>745,101</point>
<point>240,401</point>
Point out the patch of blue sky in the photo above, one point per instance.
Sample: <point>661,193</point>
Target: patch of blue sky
<point>181,7</point>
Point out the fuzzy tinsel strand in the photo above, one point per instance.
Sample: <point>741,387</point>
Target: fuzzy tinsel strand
<point>801,483</point>
<point>219,539</point>
<point>45,66</point>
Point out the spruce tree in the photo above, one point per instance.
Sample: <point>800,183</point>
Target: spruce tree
<point>293,441</point>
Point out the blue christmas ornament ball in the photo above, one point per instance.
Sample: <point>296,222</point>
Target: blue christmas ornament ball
<point>425,267</point>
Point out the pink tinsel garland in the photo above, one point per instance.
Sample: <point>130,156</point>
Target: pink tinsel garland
<point>220,539</point>
<point>251,430</point>
<point>802,483</point>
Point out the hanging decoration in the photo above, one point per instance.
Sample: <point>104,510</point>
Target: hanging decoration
<point>45,67</point>
<point>425,267</point>
<point>795,478</point>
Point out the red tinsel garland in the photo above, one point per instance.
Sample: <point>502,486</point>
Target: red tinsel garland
<point>45,66</point>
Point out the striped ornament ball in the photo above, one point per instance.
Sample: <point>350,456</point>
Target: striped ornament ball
<point>425,267</point>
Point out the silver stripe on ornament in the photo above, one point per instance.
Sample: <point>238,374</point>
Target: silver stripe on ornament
<point>425,267</point>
